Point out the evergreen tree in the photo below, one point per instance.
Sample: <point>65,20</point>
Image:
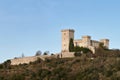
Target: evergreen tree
<point>46,53</point>
<point>71,45</point>
<point>38,53</point>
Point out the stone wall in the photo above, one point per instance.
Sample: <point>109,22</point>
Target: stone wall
<point>67,54</point>
<point>27,60</point>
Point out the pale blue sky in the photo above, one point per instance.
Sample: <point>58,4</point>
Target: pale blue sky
<point>30,25</point>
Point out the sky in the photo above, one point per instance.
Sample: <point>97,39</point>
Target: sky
<point>27,26</point>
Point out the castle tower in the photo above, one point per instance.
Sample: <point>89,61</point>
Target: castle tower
<point>66,36</point>
<point>105,42</point>
<point>86,41</point>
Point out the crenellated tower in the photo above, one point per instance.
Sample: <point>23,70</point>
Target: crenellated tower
<point>66,36</point>
<point>105,42</point>
<point>86,41</point>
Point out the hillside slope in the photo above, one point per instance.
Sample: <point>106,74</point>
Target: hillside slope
<point>103,67</point>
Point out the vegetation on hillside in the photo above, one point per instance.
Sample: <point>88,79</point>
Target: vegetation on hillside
<point>104,65</point>
<point>78,50</point>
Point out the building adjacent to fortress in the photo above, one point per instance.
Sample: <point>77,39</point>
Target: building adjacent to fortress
<point>86,42</point>
<point>67,34</point>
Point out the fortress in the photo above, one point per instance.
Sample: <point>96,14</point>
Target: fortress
<point>67,34</point>
<point>86,42</point>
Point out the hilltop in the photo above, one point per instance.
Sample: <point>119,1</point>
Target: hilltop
<point>104,65</point>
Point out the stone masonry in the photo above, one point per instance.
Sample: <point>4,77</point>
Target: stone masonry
<point>86,42</point>
<point>27,60</point>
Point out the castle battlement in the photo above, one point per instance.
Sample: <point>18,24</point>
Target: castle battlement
<point>72,30</point>
<point>85,41</point>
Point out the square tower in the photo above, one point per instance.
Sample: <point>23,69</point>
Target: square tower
<point>105,42</point>
<point>86,41</point>
<point>66,36</point>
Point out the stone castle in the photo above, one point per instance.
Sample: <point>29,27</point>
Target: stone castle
<point>66,36</point>
<point>86,42</point>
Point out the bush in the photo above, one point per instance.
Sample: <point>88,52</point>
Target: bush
<point>82,49</point>
<point>7,64</point>
<point>77,54</point>
<point>1,78</point>
<point>85,50</point>
<point>43,73</point>
<point>17,77</point>
<point>1,66</point>
<point>47,60</point>
<point>60,73</point>
<point>38,53</point>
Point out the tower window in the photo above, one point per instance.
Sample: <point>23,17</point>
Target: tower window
<point>64,33</point>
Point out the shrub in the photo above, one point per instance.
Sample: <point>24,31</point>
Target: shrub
<point>38,53</point>
<point>82,49</point>
<point>43,73</point>
<point>1,66</point>
<point>6,64</point>
<point>18,77</point>
<point>77,54</point>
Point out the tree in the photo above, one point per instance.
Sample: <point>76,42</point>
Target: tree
<point>46,53</point>
<point>77,54</point>
<point>77,49</point>
<point>17,77</point>
<point>7,64</point>
<point>38,53</point>
<point>1,66</point>
<point>71,45</point>
<point>52,54</point>
<point>85,50</point>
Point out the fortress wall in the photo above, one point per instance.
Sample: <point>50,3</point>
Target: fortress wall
<point>27,60</point>
<point>23,60</point>
<point>67,54</point>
